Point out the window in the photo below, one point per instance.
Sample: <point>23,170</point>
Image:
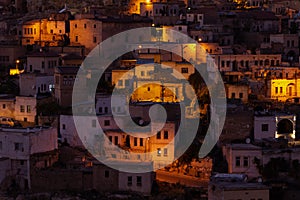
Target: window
<point>135,141</point>
<point>95,26</point>
<point>158,151</point>
<point>264,127</point>
<point>106,109</point>
<point>25,119</point>
<point>184,70</point>
<point>141,142</point>
<point>166,135</point>
<point>158,136</point>
<point>129,180</point>
<point>75,25</point>
<point>280,89</point>
<point>43,64</point>
<point>276,90</point>
<point>51,31</point>
<point>148,89</point>
<point>126,82</point>
<point>64,127</point>
<point>28,109</point>
<point>142,73</point>
<point>0,145</point>
<point>76,38</point>
<point>19,146</point>
<point>106,173</point>
<point>241,95</point>
<point>106,122</point>
<point>94,123</point>
<point>100,110</point>
<point>233,95</point>
<point>84,25</point>
<point>165,152</point>
<point>95,39</point>
<point>246,161</point>
<point>138,181</point>
<point>3,106</point>
<point>110,138</point>
<point>237,161</point>
<point>116,140</point>
<point>120,82</point>
<point>22,108</point>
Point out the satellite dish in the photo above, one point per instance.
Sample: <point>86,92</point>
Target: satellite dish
<point>248,140</point>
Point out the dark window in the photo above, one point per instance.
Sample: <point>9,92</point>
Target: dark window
<point>106,122</point>
<point>141,142</point>
<point>138,181</point>
<point>184,70</point>
<point>135,141</point>
<point>3,106</point>
<point>166,135</point>
<point>265,127</point>
<point>237,161</point>
<point>116,140</point>
<point>158,136</point>
<point>106,174</point>
<point>246,161</point>
<point>64,127</point>
<point>129,180</point>
<point>241,95</point>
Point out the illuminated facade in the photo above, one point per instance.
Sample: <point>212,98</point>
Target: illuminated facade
<point>283,89</point>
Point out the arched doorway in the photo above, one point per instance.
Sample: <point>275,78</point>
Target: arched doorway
<point>285,126</point>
